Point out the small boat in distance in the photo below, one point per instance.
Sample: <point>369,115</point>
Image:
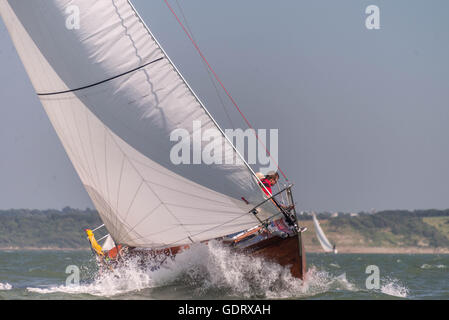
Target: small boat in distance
<point>324,241</point>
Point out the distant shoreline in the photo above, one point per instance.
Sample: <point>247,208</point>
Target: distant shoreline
<point>382,250</point>
<point>41,249</point>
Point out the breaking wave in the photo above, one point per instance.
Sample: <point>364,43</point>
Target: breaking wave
<point>5,286</point>
<point>335,265</point>
<point>208,271</point>
<point>430,266</point>
<point>393,287</point>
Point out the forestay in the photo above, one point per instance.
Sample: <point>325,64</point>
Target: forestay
<point>114,97</point>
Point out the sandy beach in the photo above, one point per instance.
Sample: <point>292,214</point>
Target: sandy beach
<point>382,250</point>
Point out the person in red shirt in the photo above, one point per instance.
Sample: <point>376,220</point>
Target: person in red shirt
<point>270,180</point>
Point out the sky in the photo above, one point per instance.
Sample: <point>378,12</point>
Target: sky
<point>362,114</point>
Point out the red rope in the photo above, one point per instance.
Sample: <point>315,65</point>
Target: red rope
<point>227,93</point>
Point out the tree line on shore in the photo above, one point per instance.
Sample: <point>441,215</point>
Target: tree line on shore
<point>24,228</point>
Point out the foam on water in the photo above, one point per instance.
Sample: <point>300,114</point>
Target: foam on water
<point>430,266</point>
<point>123,279</point>
<point>393,287</point>
<point>208,269</point>
<point>5,286</point>
<point>335,265</point>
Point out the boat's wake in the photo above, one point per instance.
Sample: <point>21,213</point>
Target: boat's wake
<point>208,271</point>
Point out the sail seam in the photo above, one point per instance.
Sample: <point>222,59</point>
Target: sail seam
<point>204,231</point>
<point>153,234</point>
<point>217,202</point>
<point>190,183</point>
<point>149,214</point>
<point>197,98</point>
<point>148,185</point>
<point>100,82</point>
<point>200,209</point>
<point>130,204</point>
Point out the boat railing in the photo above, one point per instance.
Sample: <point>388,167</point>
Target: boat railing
<point>289,214</point>
<point>288,187</point>
<point>103,237</point>
<point>97,228</point>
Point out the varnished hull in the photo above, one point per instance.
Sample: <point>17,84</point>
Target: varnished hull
<point>285,251</point>
<point>288,252</point>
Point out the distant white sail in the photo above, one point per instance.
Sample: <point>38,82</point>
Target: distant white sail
<point>114,97</point>
<point>325,244</point>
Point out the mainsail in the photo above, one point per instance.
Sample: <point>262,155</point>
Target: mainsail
<point>325,244</point>
<point>114,97</point>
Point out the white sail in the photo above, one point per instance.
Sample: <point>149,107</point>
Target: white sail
<point>114,97</point>
<point>325,244</point>
<point>108,244</point>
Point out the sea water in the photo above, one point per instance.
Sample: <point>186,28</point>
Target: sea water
<point>213,272</point>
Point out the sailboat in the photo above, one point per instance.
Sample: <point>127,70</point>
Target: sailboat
<point>325,243</point>
<point>114,98</point>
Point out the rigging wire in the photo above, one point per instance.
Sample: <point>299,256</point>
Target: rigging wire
<point>226,91</point>
<point>282,195</point>
<point>205,66</point>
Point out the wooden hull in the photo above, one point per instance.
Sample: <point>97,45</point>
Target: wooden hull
<point>288,252</point>
<point>284,251</point>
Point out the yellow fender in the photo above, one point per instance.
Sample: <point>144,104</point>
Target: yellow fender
<point>94,244</point>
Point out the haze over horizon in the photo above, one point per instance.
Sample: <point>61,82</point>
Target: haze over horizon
<point>362,114</point>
